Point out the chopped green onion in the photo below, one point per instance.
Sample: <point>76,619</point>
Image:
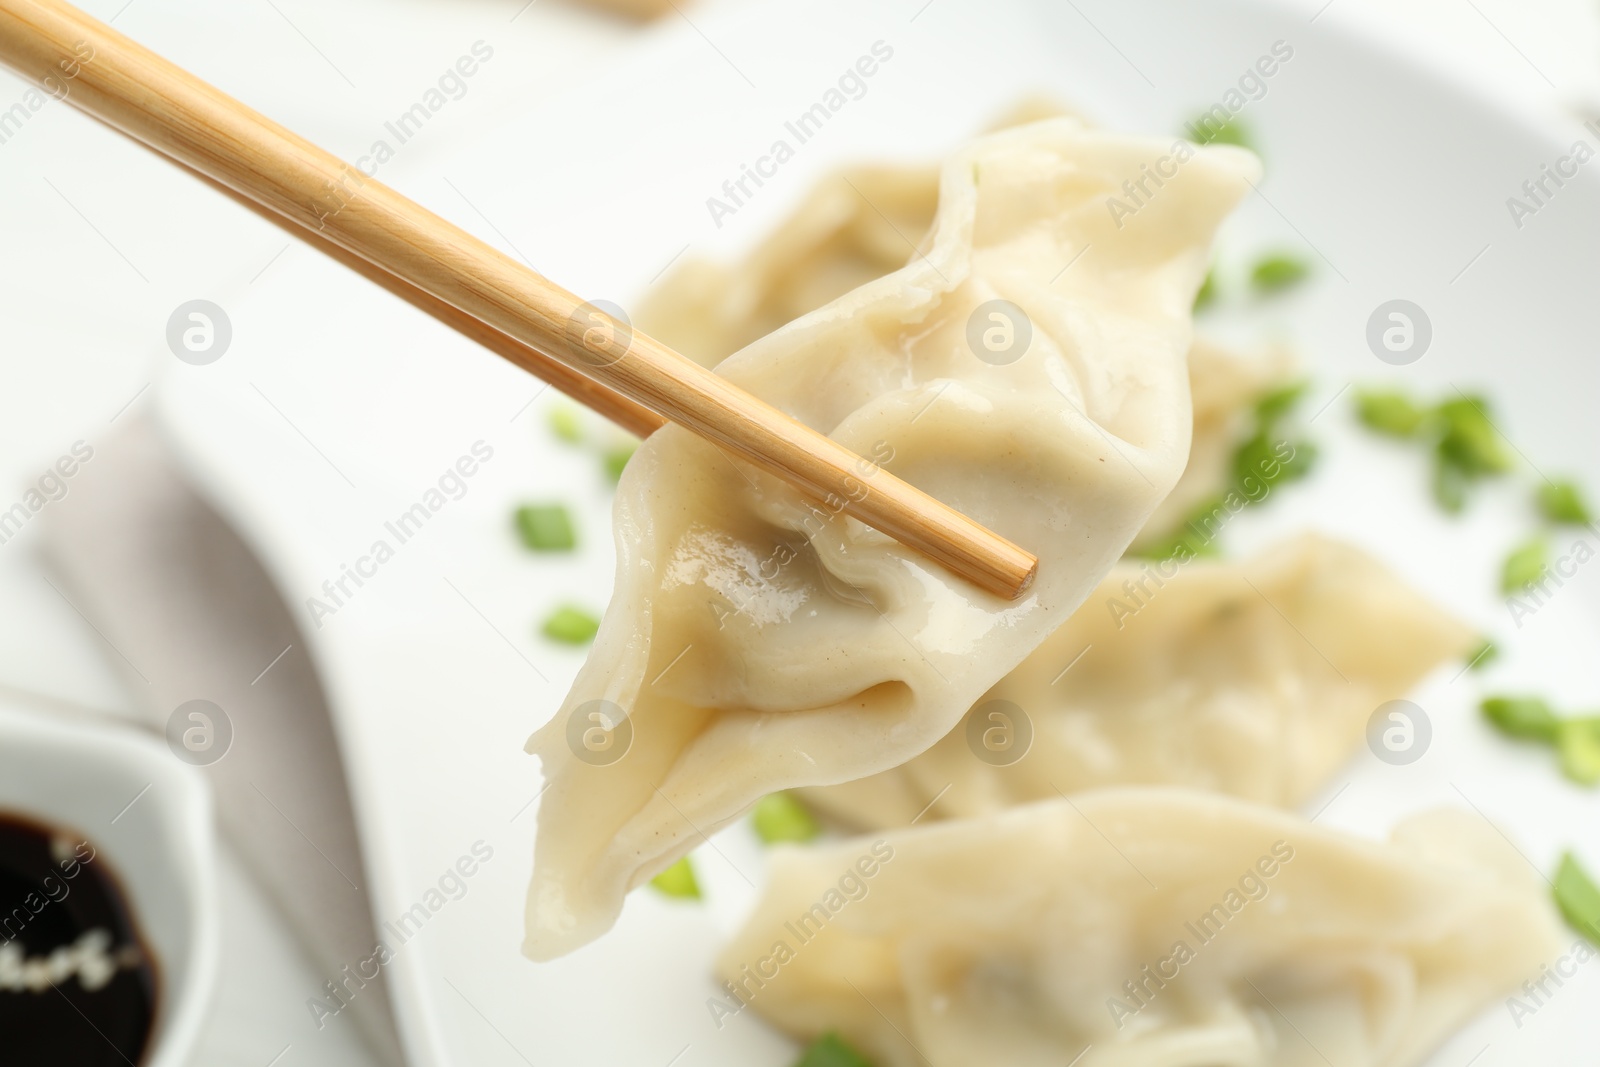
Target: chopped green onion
<point>780,817</point>
<point>1524,565</point>
<point>1182,544</point>
<point>1576,740</point>
<point>617,457</point>
<point>1208,291</point>
<point>1579,746</point>
<point>1276,273</point>
<point>1258,462</point>
<point>1470,439</point>
<point>1258,458</point>
<point>1208,130</point>
<point>1562,502</point>
<point>1578,898</point>
<point>1529,718</point>
<point>1301,463</point>
<point>1449,485</point>
<point>1195,536</point>
<point>1260,455</point>
<point>677,881</point>
<point>1278,402</point>
<point>1265,458</point>
<point>1468,448</point>
<point>830,1050</point>
<point>546,527</point>
<point>566,422</point>
<point>571,625</point>
<point>1486,653</point>
<point>1390,411</point>
<point>1464,442</point>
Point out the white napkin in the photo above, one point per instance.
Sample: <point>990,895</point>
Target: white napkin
<point>190,614</point>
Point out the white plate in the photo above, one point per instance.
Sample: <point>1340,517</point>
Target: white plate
<point>337,408</point>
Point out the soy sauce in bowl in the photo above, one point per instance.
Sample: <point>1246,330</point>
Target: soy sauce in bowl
<point>77,983</point>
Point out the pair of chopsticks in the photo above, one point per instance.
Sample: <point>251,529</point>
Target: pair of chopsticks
<point>470,286</point>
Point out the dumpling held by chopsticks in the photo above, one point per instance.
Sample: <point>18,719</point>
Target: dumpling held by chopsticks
<point>1026,367</point>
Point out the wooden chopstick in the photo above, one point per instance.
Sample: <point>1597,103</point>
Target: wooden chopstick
<point>635,418</point>
<point>132,89</point>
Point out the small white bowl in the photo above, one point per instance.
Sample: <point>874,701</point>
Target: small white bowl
<point>84,776</point>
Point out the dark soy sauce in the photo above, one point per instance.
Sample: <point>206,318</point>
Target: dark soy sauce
<point>77,986</point>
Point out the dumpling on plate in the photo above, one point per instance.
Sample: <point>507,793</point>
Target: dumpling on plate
<point>1136,927</point>
<point>1252,678</point>
<point>1026,367</point>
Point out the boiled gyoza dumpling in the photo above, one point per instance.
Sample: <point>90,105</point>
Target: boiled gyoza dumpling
<point>1254,678</point>
<point>853,227</point>
<point>1140,928</point>
<point>756,641</point>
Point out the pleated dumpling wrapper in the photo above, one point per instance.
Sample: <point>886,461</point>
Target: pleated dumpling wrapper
<point>1134,927</point>
<point>852,228</point>
<point>757,641</point>
<point>1254,678</point>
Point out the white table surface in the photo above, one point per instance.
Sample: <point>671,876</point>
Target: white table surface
<point>100,241</point>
